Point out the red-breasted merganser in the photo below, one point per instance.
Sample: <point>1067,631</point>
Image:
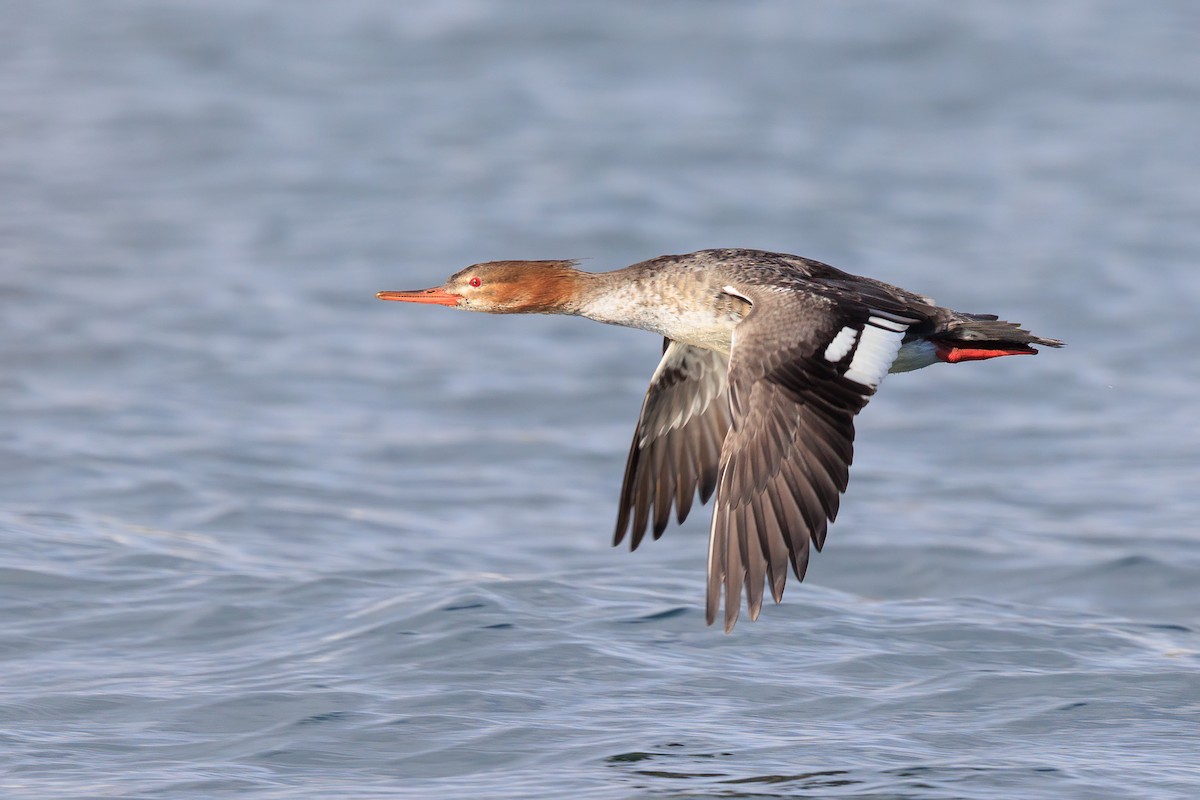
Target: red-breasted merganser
<point>767,358</point>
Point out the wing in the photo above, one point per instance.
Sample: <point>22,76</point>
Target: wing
<point>677,444</point>
<point>801,368</point>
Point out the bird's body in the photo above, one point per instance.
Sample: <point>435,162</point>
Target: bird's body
<point>767,358</point>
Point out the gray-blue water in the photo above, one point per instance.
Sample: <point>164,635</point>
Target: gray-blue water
<point>263,536</point>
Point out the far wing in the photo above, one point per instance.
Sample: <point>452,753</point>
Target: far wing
<point>677,443</point>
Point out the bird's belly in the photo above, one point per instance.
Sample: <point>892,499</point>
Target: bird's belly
<point>716,343</point>
<point>914,355</point>
<point>704,331</point>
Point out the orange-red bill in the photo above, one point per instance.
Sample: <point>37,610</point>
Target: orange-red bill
<point>437,297</point>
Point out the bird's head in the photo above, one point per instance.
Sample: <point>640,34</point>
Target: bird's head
<point>503,287</point>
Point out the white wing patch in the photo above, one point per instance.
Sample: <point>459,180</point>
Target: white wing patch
<point>841,344</point>
<point>881,340</point>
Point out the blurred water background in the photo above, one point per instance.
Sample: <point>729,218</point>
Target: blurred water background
<point>263,536</point>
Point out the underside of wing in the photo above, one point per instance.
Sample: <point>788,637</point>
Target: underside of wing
<point>677,445</point>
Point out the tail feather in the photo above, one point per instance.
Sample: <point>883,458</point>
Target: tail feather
<point>987,332</point>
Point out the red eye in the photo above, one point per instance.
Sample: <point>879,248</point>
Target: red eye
<point>474,281</point>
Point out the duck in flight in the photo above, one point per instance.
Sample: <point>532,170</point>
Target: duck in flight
<point>767,358</point>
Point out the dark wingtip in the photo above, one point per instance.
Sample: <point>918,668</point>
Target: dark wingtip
<point>636,537</point>
<point>622,524</point>
<point>777,585</point>
<point>712,601</point>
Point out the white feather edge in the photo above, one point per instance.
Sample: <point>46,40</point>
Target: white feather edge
<point>736,293</point>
